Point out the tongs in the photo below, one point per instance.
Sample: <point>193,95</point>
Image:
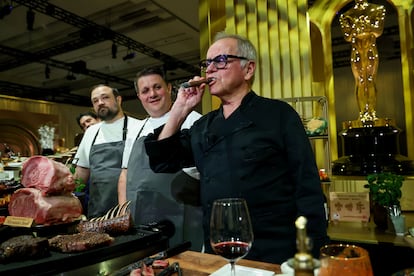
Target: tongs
<point>174,268</point>
<point>160,256</point>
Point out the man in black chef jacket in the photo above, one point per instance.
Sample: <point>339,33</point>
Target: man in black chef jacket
<point>251,147</point>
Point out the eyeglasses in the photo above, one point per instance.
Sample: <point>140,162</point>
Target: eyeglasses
<point>219,61</point>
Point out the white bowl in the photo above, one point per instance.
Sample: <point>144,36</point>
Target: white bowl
<point>288,270</point>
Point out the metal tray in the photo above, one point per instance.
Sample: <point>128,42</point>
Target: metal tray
<point>100,261</point>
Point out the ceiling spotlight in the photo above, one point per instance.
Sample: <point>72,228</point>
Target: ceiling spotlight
<point>129,55</point>
<point>114,50</point>
<point>47,72</point>
<point>30,17</point>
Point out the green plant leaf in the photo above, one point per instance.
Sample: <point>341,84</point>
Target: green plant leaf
<point>385,188</point>
<point>79,184</point>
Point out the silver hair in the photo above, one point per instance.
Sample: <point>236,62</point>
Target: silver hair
<point>244,47</point>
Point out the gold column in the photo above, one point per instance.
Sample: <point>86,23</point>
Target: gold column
<point>321,14</point>
<point>406,23</point>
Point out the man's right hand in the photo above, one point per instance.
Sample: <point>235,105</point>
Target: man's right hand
<point>187,99</point>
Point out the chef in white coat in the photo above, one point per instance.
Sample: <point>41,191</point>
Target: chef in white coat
<point>99,156</point>
<point>158,196</point>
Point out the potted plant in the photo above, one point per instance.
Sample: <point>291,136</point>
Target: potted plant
<point>385,193</point>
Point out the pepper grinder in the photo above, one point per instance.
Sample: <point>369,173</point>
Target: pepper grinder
<point>303,260</point>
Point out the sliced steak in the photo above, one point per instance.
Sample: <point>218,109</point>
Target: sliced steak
<point>45,210</point>
<point>47,175</point>
<point>80,241</point>
<point>143,271</point>
<point>23,248</point>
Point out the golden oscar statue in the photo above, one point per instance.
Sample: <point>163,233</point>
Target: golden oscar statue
<point>369,144</point>
<point>361,26</point>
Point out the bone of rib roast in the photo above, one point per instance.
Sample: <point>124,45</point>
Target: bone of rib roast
<point>117,220</point>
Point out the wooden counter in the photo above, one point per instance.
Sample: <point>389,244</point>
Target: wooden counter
<point>203,264</point>
<point>358,232</point>
<point>388,252</point>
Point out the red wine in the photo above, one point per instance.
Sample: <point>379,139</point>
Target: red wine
<point>231,250</point>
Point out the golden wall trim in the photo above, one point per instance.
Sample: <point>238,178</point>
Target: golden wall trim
<point>66,114</point>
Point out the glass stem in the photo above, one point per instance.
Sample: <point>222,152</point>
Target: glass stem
<point>233,268</point>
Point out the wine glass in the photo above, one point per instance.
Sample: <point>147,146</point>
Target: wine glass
<point>231,234</point>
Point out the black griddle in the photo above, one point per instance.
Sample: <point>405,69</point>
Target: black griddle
<point>137,244</point>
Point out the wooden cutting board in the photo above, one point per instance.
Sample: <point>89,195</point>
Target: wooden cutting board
<point>202,264</point>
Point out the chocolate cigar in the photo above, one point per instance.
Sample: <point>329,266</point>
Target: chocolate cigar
<point>195,83</point>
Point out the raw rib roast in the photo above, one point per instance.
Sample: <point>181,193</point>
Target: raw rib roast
<point>47,196</point>
<point>47,175</point>
<point>46,210</point>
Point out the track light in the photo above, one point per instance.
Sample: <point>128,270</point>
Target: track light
<point>47,72</point>
<point>70,76</point>
<point>5,10</point>
<point>30,17</point>
<point>129,55</point>
<point>114,50</point>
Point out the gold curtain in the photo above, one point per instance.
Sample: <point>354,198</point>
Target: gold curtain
<point>280,31</point>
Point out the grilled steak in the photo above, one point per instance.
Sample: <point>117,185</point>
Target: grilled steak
<point>23,248</point>
<point>45,210</point>
<point>47,175</point>
<point>80,241</point>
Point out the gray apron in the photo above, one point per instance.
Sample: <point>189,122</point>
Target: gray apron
<point>151,199</point>
<point>105,167</point>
